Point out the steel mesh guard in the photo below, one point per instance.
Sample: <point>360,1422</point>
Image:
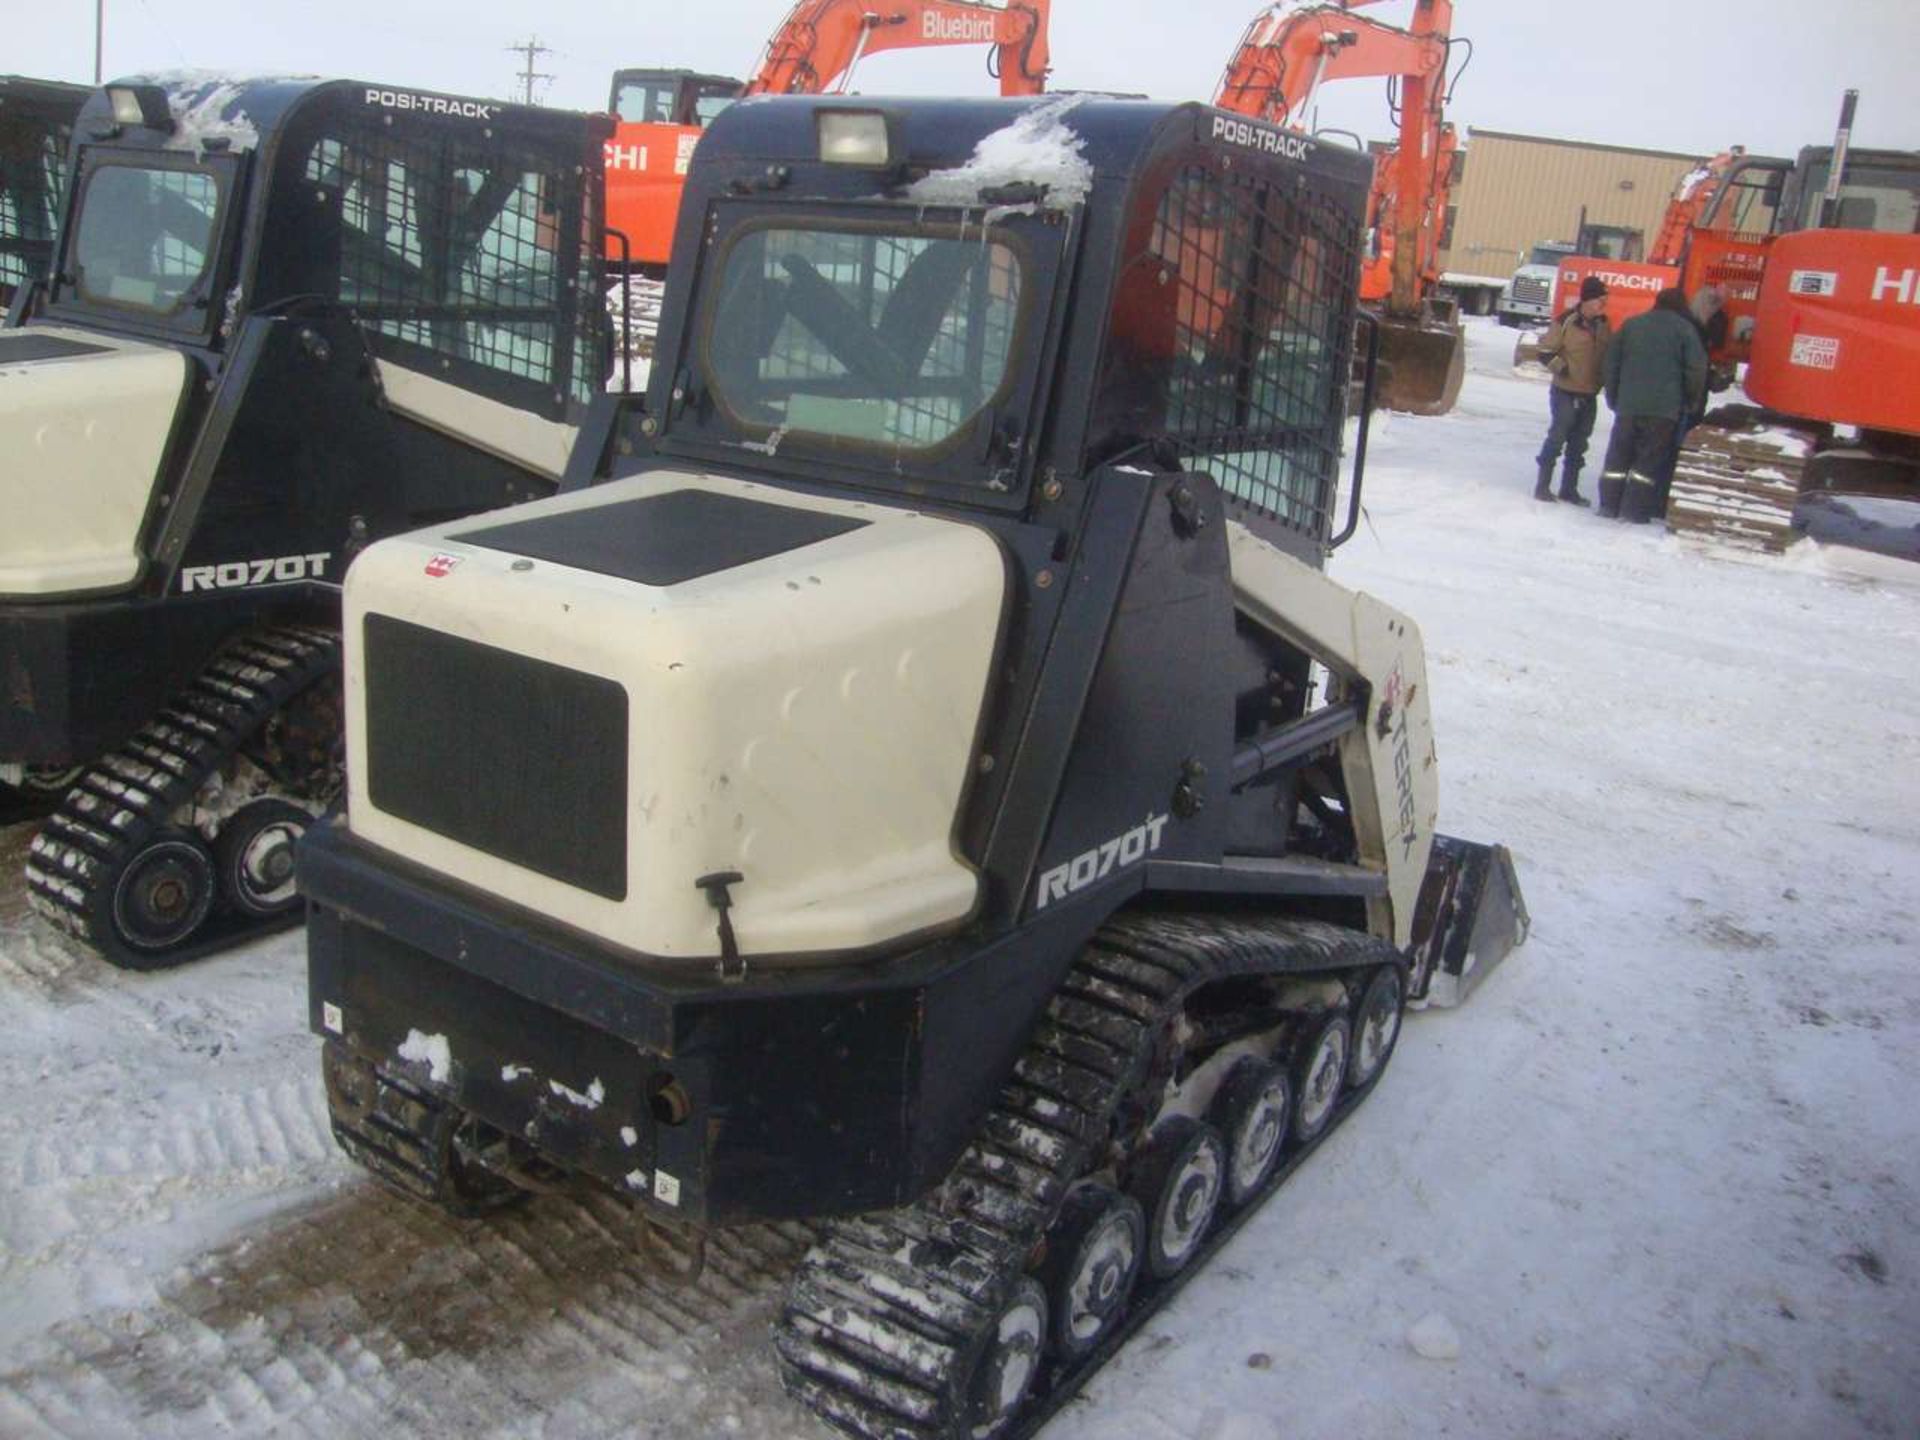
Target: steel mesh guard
<point>1232,335</point>
<point>33,176</point>
<point>473,261</point>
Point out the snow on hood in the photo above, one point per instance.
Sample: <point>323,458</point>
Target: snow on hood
<point>1039,148</point>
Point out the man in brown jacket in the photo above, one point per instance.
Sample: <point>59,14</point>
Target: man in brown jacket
<point>1575,350</point>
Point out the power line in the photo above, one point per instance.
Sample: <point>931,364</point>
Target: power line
<point>530,49</point>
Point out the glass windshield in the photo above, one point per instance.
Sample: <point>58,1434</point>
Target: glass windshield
<point>711,101</point>
<point>1878,198</point>
<point>883,339</point>
<point>145,236</point>
<point>1548,254</point>
<point>645,102</point>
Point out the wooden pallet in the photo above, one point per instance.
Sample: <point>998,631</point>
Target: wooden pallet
<point>1738,487</point>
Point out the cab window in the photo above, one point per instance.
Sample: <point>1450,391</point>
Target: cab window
<point>146,236</point>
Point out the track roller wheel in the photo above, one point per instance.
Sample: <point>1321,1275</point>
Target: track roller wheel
<point>162,896</point>
<point>1251,1110</point>
<point>1319,1070</point>
<point>1177,1179</point>
<point>255,857</point>
<point>1093,1257</point>
<point>1376,1026</point>
<point>1008,1360</point>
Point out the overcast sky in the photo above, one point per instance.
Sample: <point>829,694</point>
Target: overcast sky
<point>1678,75</point>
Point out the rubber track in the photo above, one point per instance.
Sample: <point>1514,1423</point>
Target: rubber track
<point>401,1134</point>
<point>124,797</point>
<point>883,1317</point>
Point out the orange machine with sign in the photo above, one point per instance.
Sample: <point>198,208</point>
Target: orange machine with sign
<point>1824,310</point>
<point>662,112</point>
<point>1288,51</point>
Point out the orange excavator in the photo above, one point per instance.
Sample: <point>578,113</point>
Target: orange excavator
<point>1811,272</point>
<point>1288,52</point>
<point>661,113</point>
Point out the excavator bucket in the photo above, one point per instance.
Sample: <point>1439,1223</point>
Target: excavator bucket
<point>1469,916</point>
<point>1422,363</point>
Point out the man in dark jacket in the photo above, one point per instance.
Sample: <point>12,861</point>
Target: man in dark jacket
<point>1656,372</point>
<point>1574,349</point>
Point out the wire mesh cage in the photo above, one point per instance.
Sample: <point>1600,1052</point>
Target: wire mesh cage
<point>1233,336</point>
<point>33,170</point>
<point>475,259</point>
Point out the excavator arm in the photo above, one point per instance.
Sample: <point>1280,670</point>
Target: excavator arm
<point>821,41</point>
<point>1290,50</point>
<point>1287,53</point>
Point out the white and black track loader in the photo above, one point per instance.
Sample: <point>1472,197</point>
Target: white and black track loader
<point>935,788</point>
<point>285,317</point>
<point>36,134</point>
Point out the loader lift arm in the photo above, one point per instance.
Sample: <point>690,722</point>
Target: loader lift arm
<point>821,41</point>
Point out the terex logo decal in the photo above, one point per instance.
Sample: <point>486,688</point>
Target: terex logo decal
<point>1261,137</point>
<point>429,104</point>
<point>1395,696</point>
<point>1102,860</point>
<point>237,574</point>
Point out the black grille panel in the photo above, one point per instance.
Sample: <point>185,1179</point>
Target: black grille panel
<point>519,758</point>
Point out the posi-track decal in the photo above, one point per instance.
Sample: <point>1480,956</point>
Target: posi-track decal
<point>1250,136</point>
<point>429,104</point>
<point>244,574</point>
<point>1102,860</point>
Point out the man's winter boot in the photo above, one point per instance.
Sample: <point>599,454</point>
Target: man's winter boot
<point>1612,487</point>
<point>1640,500</point>
<point>1570,487</point>
<point>1543,488</point>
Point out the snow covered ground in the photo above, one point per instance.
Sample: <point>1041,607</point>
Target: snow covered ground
<point>1658,1178</point>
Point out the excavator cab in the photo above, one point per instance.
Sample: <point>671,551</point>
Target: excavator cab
<point>36,128</point>
<point>658,117</point>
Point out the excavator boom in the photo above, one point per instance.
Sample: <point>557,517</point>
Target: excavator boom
<point>820,42</point>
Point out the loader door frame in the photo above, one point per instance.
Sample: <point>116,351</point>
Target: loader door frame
<point>196,320</point>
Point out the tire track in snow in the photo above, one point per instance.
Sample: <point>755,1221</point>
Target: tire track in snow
<point>367,1314</point>
<point>280,1126</point>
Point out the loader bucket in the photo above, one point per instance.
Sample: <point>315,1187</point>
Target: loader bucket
<point>1469,915</point>
<point>1421,365</point>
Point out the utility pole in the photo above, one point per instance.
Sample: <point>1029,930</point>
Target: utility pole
<point>530,48</point>
<point>99,35</point>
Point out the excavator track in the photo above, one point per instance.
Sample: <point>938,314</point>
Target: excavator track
<point>121,865</point>
<point>887,1317</point>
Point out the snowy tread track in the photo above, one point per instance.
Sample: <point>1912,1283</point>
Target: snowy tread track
<point>122,799</point>
<point>883,1317</point>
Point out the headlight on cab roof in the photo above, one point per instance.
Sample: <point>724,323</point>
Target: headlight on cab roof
<point>854,137</point>
<point>143,105</point>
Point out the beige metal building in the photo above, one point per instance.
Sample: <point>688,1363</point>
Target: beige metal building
<point>1518,190</point>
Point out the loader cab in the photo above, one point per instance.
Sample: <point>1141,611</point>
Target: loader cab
<point>285,316</point>
<point>875,307</point>
<point>36,131</point>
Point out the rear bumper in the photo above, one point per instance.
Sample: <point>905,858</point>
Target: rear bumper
<point>794,1094</point>
<point>76,680</point>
